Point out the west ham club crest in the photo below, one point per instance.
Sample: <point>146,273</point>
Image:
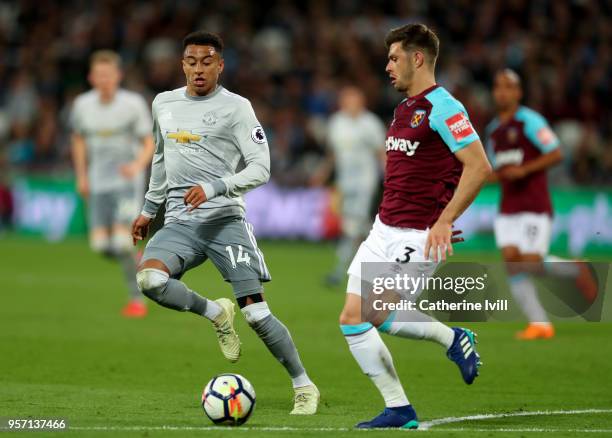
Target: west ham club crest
<point>417,118</point>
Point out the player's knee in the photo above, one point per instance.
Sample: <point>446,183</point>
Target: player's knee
<point>152,283</point>
<point>255,313</point>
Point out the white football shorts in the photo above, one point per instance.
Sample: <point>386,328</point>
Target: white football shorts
<point>529,232</point>
<point>395,250</point>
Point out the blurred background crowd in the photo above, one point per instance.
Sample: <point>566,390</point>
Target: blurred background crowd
<point>290,59</point>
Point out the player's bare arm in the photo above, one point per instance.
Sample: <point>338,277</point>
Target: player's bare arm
<point>476,169</point>
<point>545,161</point>
<point>79,160</point>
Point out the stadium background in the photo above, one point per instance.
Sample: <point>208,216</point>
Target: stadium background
<point>290,59</point>
<point>65,351</point>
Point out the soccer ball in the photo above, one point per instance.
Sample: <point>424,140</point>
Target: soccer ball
<point>228,399</point>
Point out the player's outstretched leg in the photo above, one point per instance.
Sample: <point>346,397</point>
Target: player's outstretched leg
<point>277,338</point>
<point>526,296</point>
<point>155,283</point>
<point>524,292</point>
<point>580,271</point>
<point>460,343</point>
<point>117,246</point>
<point>375,361</point>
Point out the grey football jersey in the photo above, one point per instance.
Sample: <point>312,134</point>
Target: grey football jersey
<point>112,132</point>
<point>214,141</point>
<point>356,142</point>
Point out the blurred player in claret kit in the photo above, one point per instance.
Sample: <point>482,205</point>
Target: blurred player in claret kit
<point>209,150</point>
<point>112,145</point>
<point>435,167</point>
<point>522,147</point>
<point>355,142</point>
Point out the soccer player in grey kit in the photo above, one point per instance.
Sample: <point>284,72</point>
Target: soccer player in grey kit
<point>111,147</point>
<point>210,149</point>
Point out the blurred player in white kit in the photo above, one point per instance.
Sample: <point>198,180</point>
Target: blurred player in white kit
<point>355,142</point>
<point>112,145</point>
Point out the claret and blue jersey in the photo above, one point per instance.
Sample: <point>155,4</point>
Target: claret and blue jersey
<point>422,171</point>
<point>523,138</point>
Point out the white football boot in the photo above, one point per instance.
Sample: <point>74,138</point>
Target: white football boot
<point>306,400</point>
<point>224,327</point>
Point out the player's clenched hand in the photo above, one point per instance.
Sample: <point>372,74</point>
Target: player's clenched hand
<point>439,241</point>
<point>194,197</point>
<point>140,228</point>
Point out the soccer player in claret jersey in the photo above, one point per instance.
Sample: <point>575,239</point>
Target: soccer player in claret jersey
<point>210,149</point>
<point>436,165</point>
<point>522,147</point>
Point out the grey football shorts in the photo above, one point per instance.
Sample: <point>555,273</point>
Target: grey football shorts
<point>356,216</point>
<point>231,246</point>
<point>119,207</point>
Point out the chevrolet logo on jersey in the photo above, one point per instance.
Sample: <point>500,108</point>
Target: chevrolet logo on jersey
<point>402,145</point>
<point>184,137</point>
<point>106,132</point>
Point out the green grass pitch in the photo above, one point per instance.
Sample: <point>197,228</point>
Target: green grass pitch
<point>66,352</point>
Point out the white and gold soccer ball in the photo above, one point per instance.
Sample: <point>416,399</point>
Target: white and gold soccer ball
<point>228,399</point>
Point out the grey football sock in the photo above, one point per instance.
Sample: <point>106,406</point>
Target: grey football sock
<point>176,295</point>
<point>345,253</point>
<point>128,264</point>
<point>278,340</point>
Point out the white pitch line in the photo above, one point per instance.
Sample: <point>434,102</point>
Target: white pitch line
<point>522,430</point>
<point>209,428</point>
<point>326,429</point>
<point>424,426</point>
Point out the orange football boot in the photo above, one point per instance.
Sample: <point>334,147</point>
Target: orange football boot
<point>134,309</point>
<point>536,331</point>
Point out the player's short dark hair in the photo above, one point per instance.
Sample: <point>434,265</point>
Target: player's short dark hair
<point>203,38</point>
<point>415,36</point>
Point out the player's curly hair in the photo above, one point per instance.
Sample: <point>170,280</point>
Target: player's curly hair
<point>203,38</point>
<point>415,36</point>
